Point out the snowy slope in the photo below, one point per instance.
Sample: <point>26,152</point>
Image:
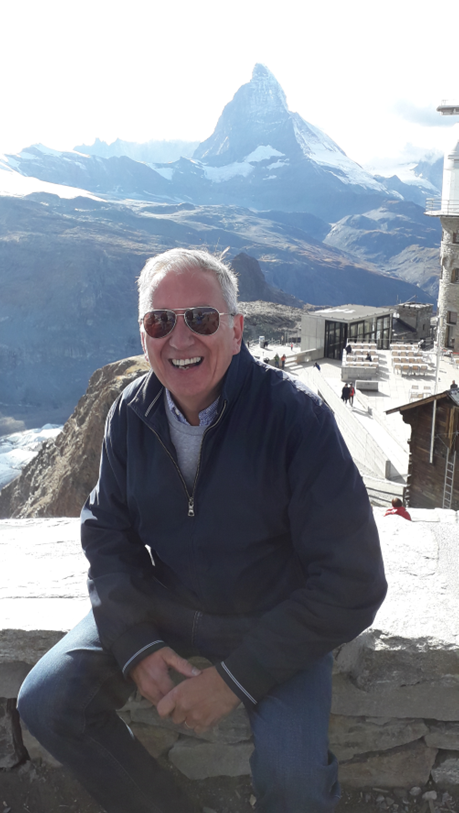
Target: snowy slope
<point>20,448</point>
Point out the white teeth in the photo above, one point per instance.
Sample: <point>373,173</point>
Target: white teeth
<point>185,362</point>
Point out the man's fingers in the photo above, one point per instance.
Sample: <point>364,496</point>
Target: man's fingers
<point>166,705</point>
<point>181,664</point>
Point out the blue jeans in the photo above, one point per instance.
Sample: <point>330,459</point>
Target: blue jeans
<point>68,702</point>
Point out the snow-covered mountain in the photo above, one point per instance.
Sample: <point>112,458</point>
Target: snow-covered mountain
<point>261,156</point>
<point>257,125</point>
<point>148,153</point>
<point>20,448</point>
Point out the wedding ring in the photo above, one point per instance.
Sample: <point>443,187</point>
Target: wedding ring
<point>188,726</point>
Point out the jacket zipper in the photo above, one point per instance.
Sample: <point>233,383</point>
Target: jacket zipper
<point>190,498</point>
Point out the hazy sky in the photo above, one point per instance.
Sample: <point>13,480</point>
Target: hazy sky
<point>370,75</point>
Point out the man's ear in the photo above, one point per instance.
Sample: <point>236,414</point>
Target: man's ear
<point>238,332</point>
<point>144,345</point>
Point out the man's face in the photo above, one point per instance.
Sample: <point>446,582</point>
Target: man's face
<point>197,384</point>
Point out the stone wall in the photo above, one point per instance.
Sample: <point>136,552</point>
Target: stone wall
<point>395,714</point>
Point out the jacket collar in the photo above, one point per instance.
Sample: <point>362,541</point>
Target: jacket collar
<point>148,403</point>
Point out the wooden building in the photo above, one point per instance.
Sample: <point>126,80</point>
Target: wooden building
<point>433,473</point>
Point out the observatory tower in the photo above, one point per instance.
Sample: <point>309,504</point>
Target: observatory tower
<point>447,209</point>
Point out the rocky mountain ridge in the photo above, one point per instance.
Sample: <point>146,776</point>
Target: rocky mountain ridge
<point>78,261</point>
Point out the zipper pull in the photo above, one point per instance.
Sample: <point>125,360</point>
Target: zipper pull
<point>191,507</point>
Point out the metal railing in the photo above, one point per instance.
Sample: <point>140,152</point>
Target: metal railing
<point>436,206</point>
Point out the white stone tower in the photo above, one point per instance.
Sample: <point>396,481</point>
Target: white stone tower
<point>448,211</point>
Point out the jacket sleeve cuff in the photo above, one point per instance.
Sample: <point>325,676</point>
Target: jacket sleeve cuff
<point>134,645</point>
<point>245,676</point>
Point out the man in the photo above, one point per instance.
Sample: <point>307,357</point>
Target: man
<point>264,557</point>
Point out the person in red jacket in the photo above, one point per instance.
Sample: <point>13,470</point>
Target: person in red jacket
<point>398,508</point>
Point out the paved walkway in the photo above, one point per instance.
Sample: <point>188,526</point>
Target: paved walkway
<point>389,431</point>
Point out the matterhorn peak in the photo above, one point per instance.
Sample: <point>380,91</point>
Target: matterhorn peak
<point>265,84</point>
<point>257,115</point>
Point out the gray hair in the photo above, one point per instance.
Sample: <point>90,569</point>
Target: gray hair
<point>183,260</point>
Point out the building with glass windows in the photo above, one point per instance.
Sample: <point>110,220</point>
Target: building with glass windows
<point>331,329</point>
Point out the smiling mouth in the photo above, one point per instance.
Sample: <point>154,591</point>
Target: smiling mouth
<point>185,364</point>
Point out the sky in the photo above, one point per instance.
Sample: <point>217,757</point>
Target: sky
<point>370,75</point>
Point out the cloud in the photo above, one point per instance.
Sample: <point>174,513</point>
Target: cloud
<point>425,116</point>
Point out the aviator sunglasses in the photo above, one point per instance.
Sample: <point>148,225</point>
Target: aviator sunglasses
<point>202,320</point>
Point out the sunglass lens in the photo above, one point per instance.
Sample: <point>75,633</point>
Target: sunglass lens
<point>159,323</point>
<point>203,321</point>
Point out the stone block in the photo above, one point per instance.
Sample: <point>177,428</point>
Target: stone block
<point>445,774</point>
<point>201,760</point>
<point>12,751</point>
<point>36,751</point>
<point>443,735</point>
<point>12,675</point>
<point>231,729</point>
<point>157,741</point>
<point>350,736</point>
<point>412,650</point>
<point>402,767</point>
<point>436,700</point>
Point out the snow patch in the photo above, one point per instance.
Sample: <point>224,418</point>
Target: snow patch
<point>166,172</point>
<point>14,184</point>
<point>262,153</point>
<point>279,164</point>
<point>20,448</point>
<point>318,147</point>
<point>219,174</point>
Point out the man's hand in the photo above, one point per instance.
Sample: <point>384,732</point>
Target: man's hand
<point>200,702</point>
<point>151,675</point>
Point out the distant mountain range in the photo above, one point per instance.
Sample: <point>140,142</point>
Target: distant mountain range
<point>149,153</point>
<point>260,156</point>
<point>266,184</point>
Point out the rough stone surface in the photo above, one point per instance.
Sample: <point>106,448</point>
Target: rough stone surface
<point>445,774</point>
<point>12,751</point>
<point>43,592</point>
<point>437,700</point>
<point>443,735</point>
<point>401,767</point>
<point>350,736</point>
<point>201,760</point>
<point>157,741</point>
<point>35,750</point>
<point>232,729</point>
<point>58,480</point>
<point>407,663</point>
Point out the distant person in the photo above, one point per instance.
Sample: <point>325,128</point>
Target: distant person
<point>348,348</point>
<point>368,357</point>
<point>453,386</point>
<point>276,360</point>
<point>283,360</point>
<point>291,346</point>
<point>345,393</point>
<point>351,394</point>
<point>397,508</point>
<point>317,366</point>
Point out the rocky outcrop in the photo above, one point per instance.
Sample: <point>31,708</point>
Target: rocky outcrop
<point>253,285</point>
<point>58,480</point>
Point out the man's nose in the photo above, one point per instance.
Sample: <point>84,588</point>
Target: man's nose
<point>181,335</point>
